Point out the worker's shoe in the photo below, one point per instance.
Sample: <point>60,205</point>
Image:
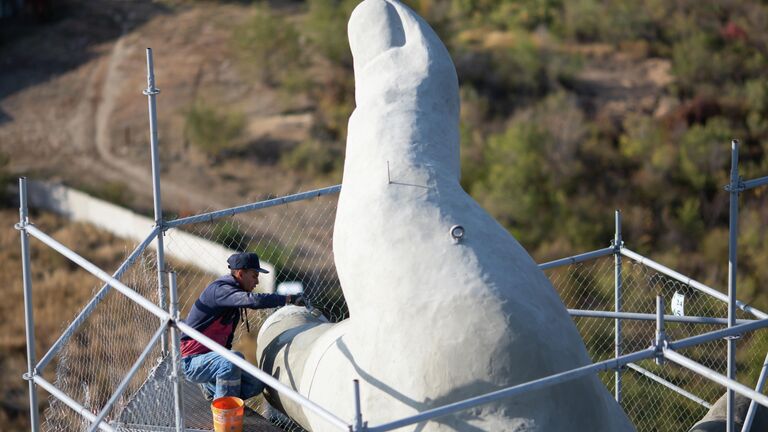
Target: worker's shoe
<point>206,393</point>
<point>249,412</point>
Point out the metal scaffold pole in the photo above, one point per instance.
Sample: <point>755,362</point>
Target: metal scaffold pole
<point>661,333</point>
<point>29,323</point>
<point>176,354</point>
<point>733,231</point>
<point>358,425</point>
<point>764,371</point>
<point>151,93</point>
<point>617,243</point>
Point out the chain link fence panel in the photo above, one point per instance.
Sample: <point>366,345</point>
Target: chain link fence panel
<point>295,240</point>
<point>92,363</point>
<point>650,405</point>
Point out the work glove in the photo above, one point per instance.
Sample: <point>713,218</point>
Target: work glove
<point>297,300</point>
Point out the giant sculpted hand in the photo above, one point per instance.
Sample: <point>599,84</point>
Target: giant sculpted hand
<point>433,320</point>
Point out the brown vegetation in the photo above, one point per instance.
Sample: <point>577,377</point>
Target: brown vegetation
<point>60,290</point>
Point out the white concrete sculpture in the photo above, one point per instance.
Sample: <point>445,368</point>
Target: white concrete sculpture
<point>434,319</point>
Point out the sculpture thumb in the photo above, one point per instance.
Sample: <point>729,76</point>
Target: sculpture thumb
<point>434,319</point>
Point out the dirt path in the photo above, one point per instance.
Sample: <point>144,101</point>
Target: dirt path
<point>100,122</point>
<point>613,84</point>
<point>87,124</point>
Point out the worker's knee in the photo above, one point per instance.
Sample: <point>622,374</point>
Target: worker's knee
<point>228,370</point>
<point>227,380</point>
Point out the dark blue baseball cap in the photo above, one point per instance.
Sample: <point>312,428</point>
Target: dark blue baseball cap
<point>245,260</point>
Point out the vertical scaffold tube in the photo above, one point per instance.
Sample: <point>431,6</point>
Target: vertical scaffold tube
<point>29,323</point>
<point>358,425</point>
<point>151,93</point>
<point>617,242</point>
<point>733,231</point>
<point>176,353</point>
<point>661,333</point>
<point>753,405</point>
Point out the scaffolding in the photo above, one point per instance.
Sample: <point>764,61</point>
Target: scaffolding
<point>633,286</point>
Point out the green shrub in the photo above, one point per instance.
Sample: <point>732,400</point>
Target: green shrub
<point>533,172</point>
<point>326,27</point>
<point>211,130</point>
<point>474,109</point>
<point>228,234</point>
<point>527,14</point>
<point>314,158</point>
<point>512,67</point>
<point>689,218</point>
<point>646,146</point>
<point>695,62</point>
<point>703,59</point>
<point>515,161</point>
<point>705,154</point>
<point>334,90</point>
<point>613,21</point>
<point>756,98</point>
<point>271,46</point>
<point>582,20</point>
<point>280,256</point>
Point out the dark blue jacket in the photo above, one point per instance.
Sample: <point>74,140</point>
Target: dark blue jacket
<point>216,312</point>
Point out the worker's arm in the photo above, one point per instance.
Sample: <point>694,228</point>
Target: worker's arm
<point>229,296</point>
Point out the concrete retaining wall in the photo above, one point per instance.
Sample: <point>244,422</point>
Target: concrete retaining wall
<point>181,246</point>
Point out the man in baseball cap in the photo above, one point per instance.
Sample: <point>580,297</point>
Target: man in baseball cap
<point>216,314</point>
<point>245,260</point>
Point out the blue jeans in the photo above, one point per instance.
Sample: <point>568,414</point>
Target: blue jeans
<point>219,376</point>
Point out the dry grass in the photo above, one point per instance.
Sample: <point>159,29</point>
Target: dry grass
<point>60,289</point>
<point>113,335</point>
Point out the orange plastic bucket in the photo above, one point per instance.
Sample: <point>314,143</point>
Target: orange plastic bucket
<point>227,414</point>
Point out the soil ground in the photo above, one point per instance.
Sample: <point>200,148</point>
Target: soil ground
<point>85,122</point>
<point>60,291</point>
<point>71,107</point>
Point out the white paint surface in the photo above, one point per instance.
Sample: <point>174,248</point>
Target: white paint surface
<point>432,321</point>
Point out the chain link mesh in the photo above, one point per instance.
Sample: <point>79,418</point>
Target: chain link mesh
<point>95,359</point>
<point>650,405</point>
<point>296,240</point>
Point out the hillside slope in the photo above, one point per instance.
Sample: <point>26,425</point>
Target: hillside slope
<point>87,109</point>
<point>60,291</point>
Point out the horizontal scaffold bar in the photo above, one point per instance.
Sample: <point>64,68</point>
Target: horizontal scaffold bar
<point>578,258</point>
<point>518,389</point>
<point>690,282</point>
<point>749,184</point>
<point>708,373</point>
<point>651,317</point>
<point>211,216</point>
<point>734,331</point>
<point>669,385</point>
<point>567,376</point>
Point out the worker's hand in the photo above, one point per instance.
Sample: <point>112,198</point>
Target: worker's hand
<point>297,300</point>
